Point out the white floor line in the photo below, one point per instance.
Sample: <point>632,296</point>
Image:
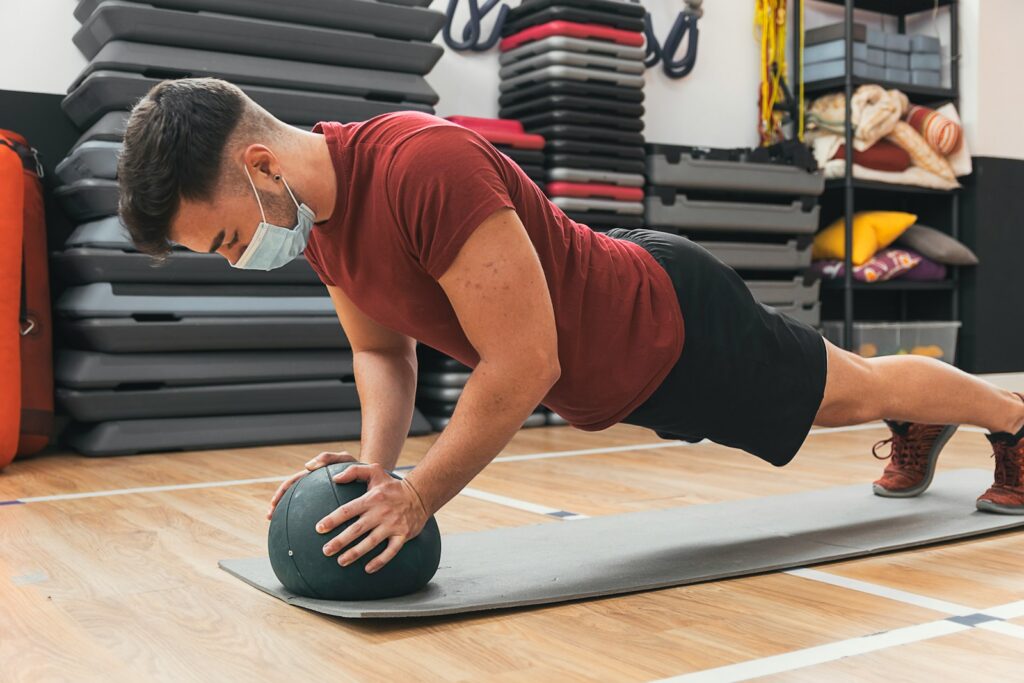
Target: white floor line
<point>1006,629</point>
<point>151,489</point>
<point>883,591</point>
<point>1008,611</point>
<point>592,451</point>
<point>821,654</point>
<point>848,428</point>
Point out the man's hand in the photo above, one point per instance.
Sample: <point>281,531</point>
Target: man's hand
<point>321,460</point>
<point>390,510</point>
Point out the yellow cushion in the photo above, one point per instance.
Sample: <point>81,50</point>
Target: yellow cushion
<point>872,230</point>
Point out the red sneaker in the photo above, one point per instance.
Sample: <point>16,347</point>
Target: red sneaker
<point>915,450</point>
<point>1006,495</point>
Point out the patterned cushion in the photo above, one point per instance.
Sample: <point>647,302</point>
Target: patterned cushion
<point>885,265</point>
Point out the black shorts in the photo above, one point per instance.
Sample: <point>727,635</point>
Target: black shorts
<point>748,377</point>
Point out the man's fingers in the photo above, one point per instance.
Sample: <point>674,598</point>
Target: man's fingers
<point>344,513</point>
<point>365,546</point>
<point>357,472</point>
<point>329,458</point>
<point>395,544</point>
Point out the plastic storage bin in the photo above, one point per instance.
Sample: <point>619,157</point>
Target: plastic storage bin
<point>933,339</point>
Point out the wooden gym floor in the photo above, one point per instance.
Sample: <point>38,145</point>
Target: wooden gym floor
<point>121,582</point>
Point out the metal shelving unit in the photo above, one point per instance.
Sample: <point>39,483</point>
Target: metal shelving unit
<point>850,187</point>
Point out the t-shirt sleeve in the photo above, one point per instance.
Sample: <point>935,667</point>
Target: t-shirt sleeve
<point>315,258</point>
<point>443,183</point>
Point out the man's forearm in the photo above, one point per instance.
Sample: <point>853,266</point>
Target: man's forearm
<point>494,404</point>
<point>386,382</point>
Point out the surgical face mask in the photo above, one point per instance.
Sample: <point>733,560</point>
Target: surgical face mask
<point>273,246</point>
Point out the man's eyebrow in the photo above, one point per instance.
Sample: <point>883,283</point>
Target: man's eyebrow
<point>217,241</point>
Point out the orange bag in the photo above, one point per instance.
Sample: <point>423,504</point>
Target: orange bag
<point>26,356</point>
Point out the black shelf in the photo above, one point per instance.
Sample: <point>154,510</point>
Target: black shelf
<point>899,299</point>
<point>916,93</point>
<point>892,286</point>
<point>833,184</point>
<point>893,7</point>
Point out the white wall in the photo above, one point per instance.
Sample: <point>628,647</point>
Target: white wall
<point>36,50</point>
<point>716,105</point>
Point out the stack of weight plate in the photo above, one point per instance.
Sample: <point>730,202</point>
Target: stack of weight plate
<point>195,354</point>
<point>440,383</point>
<point>756,210</point>
<point>509,138</point>
<point>572,71</point>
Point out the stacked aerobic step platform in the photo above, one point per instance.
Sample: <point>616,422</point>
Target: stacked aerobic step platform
<point>440,384</point>
<point>195,354</point>
<point>879,55</point>
<point>509,138</point>
<point>572,71</point>
<point>756,210</point>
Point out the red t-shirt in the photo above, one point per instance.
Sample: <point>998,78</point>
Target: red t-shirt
<point>411,190</point>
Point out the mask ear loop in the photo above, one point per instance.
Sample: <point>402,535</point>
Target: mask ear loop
<point>249,176</point>
<point>292,195</point>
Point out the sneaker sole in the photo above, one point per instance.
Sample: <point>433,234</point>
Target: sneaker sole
<point>933,457</point>
<point>989,506</point>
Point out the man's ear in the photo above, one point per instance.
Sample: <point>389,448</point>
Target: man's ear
<point>261,161</point>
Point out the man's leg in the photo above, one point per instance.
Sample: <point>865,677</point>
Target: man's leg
<point>912,389</point>
<point>923,400</point>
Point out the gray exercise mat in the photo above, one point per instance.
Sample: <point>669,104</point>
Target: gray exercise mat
<point>572,560</point>
<point>116,20</point>
<point>361,16</point>
<point>183,62</point>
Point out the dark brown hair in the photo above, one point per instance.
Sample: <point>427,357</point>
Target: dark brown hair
<point>173,148</point>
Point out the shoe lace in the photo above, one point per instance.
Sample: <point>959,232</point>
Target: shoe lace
<point>909,451</point>
<point>1009,463</point>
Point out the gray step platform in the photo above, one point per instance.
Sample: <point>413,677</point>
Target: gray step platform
<point>581,60</point>
<point>672,166</point>
<point>93,159</point>
<point>443,379</point>
<point>149,335</point>
<point>598,205</point>
<point>792,255</point>
<point>124,300</point>
<point>572,73</point>
<point>361,16</point>
<point>682,212</point>
<point>181,62</point>
<point>439,422</point>
<point>105,91</point>
<point>106,233</point>
<point>567,44</point>
<point>784,292</point>
<point>229,399</point>
<point>88,199</point>
<point>809,314</point>
<point>91,370</point>
<point>83,265</point>
<point>593,175</point>
<point>127,437</point>
<point>117,20</point>
<point>109,128</point>
<point>433,393</point>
